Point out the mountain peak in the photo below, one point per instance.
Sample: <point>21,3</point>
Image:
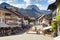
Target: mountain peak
<point>4,4</point>
<point>33,7</point>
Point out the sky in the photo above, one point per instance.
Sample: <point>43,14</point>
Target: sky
<point>41,4</point>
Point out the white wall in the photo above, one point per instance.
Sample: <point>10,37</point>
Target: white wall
<point>25,22</point>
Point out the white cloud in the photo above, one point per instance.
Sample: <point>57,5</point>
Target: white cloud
<point>1,1</point>
<point>33,1</point>
<point>20,5</point>
<point>51,1</point>
<point>41,7</point>
<point>10,1</point>
<point>27,1</point>
<point>37,1</point>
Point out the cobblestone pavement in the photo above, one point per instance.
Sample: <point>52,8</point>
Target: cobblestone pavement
<point>26,36</point>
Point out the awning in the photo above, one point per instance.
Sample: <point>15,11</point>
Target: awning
<point>3,25</point>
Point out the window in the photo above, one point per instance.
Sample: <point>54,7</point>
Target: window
<point>7,14</point>
<point>0,19</point>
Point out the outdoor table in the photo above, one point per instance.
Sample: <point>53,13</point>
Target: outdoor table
<point>44,30</point>
<point>7,29</point>
<point>3,26</point>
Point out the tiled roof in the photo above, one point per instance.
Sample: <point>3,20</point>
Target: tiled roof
<point>11,11</point>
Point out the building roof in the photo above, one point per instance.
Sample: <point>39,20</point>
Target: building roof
<point>11,11</point>
<point>46,16</point>
<point>41,16</point>
<point>54,5</point>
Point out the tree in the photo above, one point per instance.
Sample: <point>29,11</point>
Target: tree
<point>54,25</point>
<point>58,18</point>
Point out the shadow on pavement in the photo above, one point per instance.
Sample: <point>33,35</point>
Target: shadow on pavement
<point>16,31</point>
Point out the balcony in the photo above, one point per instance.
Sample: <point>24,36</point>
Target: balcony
<point>7,17</point>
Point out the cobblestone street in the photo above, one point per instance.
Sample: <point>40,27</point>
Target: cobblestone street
<point>26,36</point>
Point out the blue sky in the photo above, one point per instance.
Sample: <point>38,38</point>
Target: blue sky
<point>42,4</point>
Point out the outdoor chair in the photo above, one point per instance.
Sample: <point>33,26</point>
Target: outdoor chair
<point>7,31</point>
<point>2,31</point>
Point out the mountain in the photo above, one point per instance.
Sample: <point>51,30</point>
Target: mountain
<point>45,12</point>
<point>34,11</point>
<point>33,7</point>
<point>4,4</point>
<point>31,10</point>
